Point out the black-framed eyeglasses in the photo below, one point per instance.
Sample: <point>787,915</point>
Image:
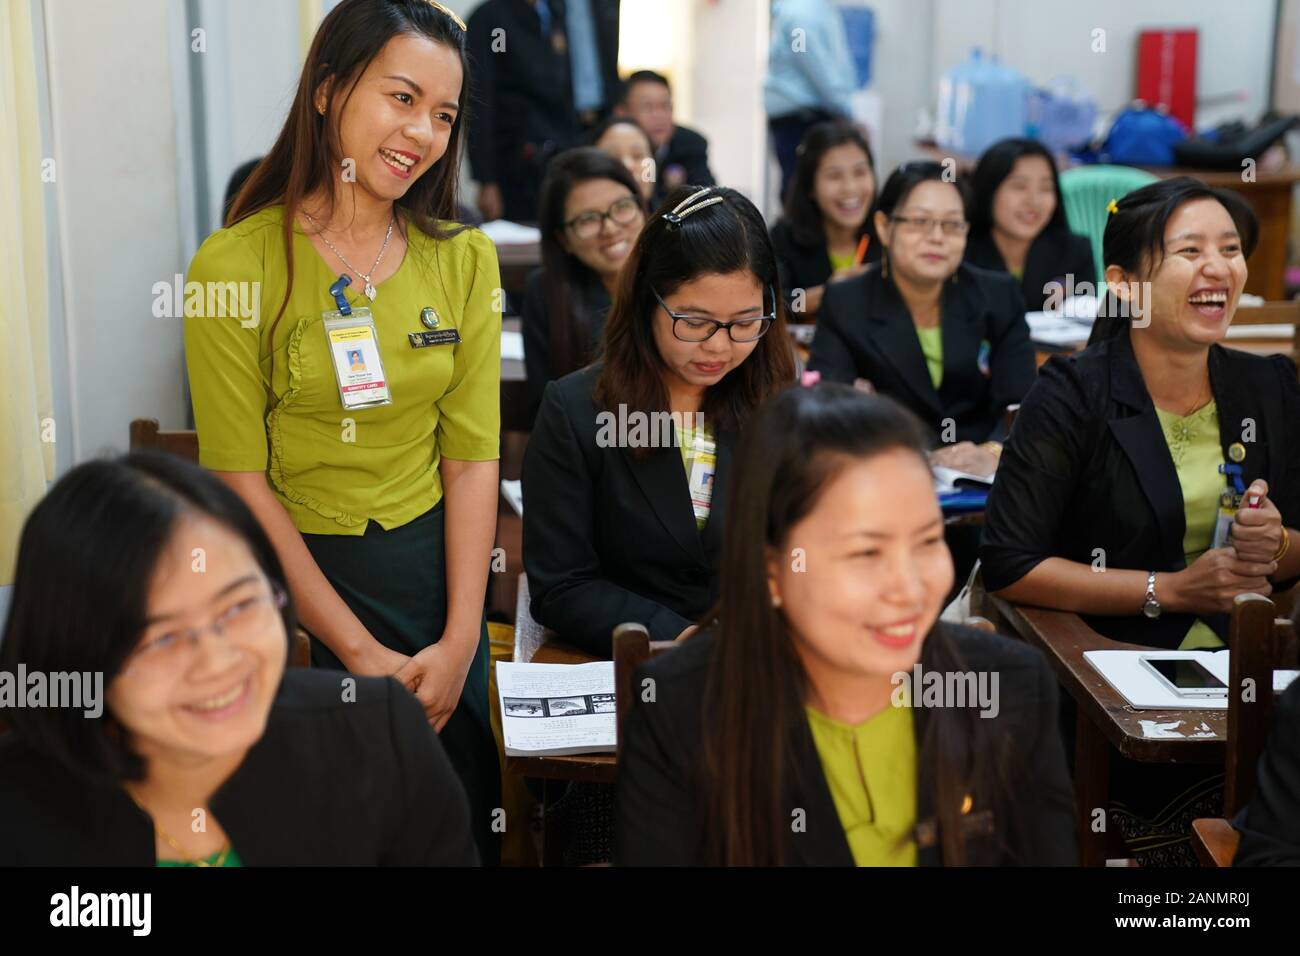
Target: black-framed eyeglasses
<point>696,328</point>
<point>623,211</point>
<point>925,225</point>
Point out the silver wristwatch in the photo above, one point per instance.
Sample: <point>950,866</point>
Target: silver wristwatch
<point>1152,607</point>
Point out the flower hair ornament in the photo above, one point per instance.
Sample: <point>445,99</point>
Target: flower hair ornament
<point>1112,207</point>
<point>691,204</point>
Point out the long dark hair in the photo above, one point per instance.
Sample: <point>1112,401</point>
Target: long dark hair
<point>1135,237</point>
<point>726,237</point>
<point>308,150</point>
<point>906,178</point>
<point>86,557</point>
<point>807,225</point>
<point>992,170</point>
<point>567,284</point>
<point>756,686</point>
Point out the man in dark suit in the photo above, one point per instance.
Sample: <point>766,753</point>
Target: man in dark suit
<point>681,154</point>
<point>543,72</point>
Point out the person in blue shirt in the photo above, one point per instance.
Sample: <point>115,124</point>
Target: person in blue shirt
<point>810,75</point>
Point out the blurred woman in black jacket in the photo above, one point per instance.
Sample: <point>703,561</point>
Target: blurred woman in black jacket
<point>827,215</point>
<point>591,213</point>
<point>806,725</point>
<point>946,339</point>
<point>1017,225</point>
<point>203,749</point>
<point>1116,460</point>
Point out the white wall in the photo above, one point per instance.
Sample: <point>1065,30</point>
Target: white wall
<point>114,139</point>
<point>1046,39</point>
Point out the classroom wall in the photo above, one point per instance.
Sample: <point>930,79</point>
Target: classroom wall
<point>1046,39</point>
<point>114,143</point>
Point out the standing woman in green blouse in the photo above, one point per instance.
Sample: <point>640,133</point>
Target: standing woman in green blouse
<point>377,484</point>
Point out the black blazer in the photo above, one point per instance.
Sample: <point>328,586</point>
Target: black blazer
<point>683,159</point>
<point>1087,467</point>
<point>1053,256</point>
<point>800,266</point>
<point>1270,823</point>
<point>609,537</point>
<point>536,321</point>
<point>523,96</point>
<point>655,811</point>
<point>865,331</point>
<point>360,783</point>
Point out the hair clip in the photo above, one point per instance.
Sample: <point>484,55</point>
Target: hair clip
<point>809,378</point>
<point>1112,207</point>
<point>685,207</point>
<point>455,19</point>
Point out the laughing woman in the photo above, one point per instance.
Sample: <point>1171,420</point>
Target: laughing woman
<point>1117,451</point>
<point>200,719</point>
<point>376,484</point>
<point>786,733</point>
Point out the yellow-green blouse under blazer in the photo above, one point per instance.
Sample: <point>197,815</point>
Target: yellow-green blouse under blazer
<point>336,470</point>
<point>1197,453</point>
<point>932,348</point>
<point>871,772</point>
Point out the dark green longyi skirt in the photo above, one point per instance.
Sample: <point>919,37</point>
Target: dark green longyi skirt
<point>395,582</point>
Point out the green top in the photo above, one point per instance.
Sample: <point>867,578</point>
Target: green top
<point>871,773</point>
<point>841,262</point>
<point>700,458</point>
<point>1018,273</point>
<point>932,349</point>
<point>1197,453</point>
<point>232,859</point>
<point>334,470</point>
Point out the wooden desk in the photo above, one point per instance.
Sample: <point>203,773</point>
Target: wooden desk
<point>592,768</point>
<point>1284,312</point>
<point>1104,716</point>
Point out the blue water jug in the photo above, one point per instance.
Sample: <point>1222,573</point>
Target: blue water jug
<point>980,102</point>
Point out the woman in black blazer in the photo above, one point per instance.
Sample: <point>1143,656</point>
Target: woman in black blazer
<point>616,527</point>
<point>1017,225</point>
<point>784,733</point>
<point>1088,480</point>
<point>945,339</point>
<point>285,767</point>
<point>590,215</point>
<point>827,215</point>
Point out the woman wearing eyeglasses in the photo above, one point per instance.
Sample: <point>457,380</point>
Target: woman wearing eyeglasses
<point>625,476</point>
<point>946,339</point>
<point>195,746</point>
<point>590,215</point>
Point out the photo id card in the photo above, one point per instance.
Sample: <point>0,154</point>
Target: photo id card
<point>358,368</point>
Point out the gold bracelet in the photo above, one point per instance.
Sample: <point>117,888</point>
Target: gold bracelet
<point>1286,545</point>
<point>994,448</point>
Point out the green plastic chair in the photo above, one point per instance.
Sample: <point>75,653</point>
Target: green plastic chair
<point>1087,191</point>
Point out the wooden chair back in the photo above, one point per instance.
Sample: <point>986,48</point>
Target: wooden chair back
<point>632,648</point>
<point>1262,642</point>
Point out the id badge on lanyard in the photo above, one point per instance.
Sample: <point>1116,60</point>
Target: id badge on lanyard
<point>1229,500</point>
<point>353,344</point>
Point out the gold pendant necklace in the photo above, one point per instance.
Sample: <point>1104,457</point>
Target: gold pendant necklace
<point>171,841</point>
